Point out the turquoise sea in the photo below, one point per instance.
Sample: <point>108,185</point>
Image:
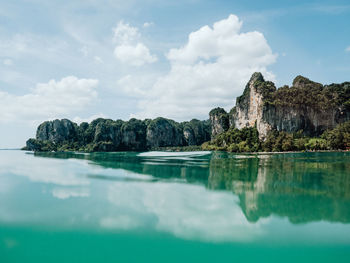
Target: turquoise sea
<point>174,207</point>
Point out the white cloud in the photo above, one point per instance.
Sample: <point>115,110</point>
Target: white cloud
<point>139,86</point>
<point>130,86</point>
<point>135,55</point>
<point>49,100</point>
<point>347,49</point>
<point>124,33</point>
<point>221,41</point>
<point>129,49</point>
<point>8,62</point>
<point>210,70</point>
<point>148,24</point>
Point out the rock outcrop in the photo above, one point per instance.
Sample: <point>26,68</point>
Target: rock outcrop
<point>163,132</point>
<point>249,108</point>
<point>219,120</point>
<point>109,135</point>
<point>306,106</point>
<point>196,132</point>
<point>33,145</point>
<point>134,135</point>
<point>101,134</point>
<point>57,131</point>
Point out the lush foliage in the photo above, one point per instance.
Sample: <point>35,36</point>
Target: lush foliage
<point>199,130</point>
<point>305,93</point>
<point>338,138</point>
<point>247,140</point>
<point>235,140</point>
<point>109,135</point>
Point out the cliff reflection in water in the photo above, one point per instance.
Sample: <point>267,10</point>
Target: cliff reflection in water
<point>303,187</point>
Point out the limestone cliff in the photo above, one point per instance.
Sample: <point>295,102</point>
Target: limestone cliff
<point>195,132</point>
<point>109,135</point>
<point>56,131</point>
<point>307,106</point>
<point>162,132</point>
<point>219,120</point>
<point>249,108</point>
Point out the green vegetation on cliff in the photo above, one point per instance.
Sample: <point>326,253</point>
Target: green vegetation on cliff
<point>305,93</point>
<point>338,138</point>
<point>305,116</point>
<point>235,140</point>
<point>247,140</point>
<point>106,135</point>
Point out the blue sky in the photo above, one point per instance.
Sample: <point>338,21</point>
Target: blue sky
<point>119,59</point>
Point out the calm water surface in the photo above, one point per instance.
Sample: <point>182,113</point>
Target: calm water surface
<point>174,207</point>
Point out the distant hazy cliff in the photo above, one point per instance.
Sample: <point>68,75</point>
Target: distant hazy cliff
<point>307,106</point>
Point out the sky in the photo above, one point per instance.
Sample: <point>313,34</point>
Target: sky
<point>84,59</point>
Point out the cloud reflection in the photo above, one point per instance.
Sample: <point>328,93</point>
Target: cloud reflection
<point>53,171</point>
<point>187,211</point>
<point>65,193</point>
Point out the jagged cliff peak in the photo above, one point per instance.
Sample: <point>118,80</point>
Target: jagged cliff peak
<point>217,111</point>
<point>219,121</point>
<point>256,86</point>
<point>303,82</point>
<point>257,76</point>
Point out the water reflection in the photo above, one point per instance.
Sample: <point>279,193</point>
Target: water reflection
<point>303,187</point>
<point>186,211</point>
<point>65,192</point>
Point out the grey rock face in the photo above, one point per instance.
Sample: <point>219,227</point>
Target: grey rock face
<point>33,145</point>
<point>291,109</point>
<point>312,118</point>
<point>133,134</point>
<point>57,131</point>
<point>219,121</point>
<point>109,135</point>
<point>196,132</point>
<point>108,131</point>
<point>189,136</point>
<point>290,119</point>
<point>249,108</point>
<point>162,132</point>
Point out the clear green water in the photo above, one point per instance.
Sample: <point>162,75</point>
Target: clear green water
<point>174,207</point>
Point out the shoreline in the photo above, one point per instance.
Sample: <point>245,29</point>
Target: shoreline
<point>169,150</point>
